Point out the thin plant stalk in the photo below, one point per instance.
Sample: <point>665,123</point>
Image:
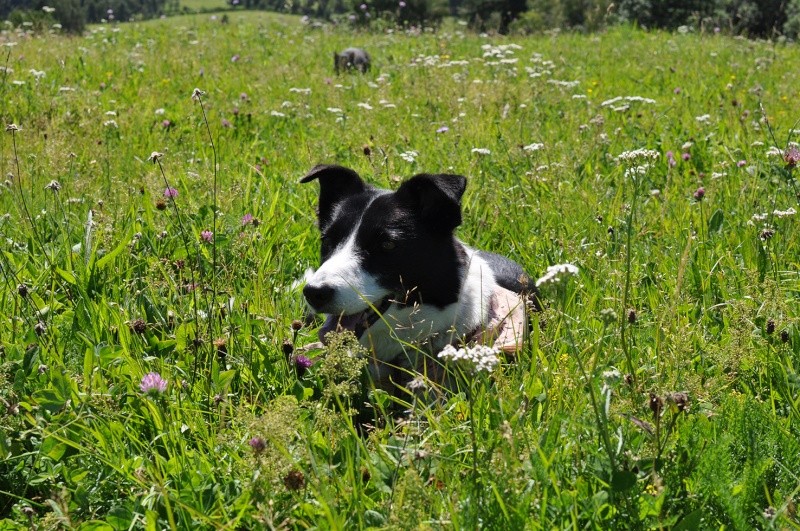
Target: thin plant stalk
<point>156,159</point>
<point>198,95</point>
<point>602,423</point>
<point>626,293</point>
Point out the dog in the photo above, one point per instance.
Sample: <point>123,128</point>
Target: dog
<point>351,58</point>
<point>393,272</point>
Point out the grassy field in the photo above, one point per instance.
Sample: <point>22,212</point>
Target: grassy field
<point>659,388</point>
<point>194,6</point>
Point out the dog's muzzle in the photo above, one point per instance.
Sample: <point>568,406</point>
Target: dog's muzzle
<point>357,323</point>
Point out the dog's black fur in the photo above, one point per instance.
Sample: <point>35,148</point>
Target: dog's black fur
<point>396,252</point>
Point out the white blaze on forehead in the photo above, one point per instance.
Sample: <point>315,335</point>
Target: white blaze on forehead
<point>354,288</point>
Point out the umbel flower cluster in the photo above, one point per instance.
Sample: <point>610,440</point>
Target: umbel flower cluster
<point>473,360</point>
<point>557,274</point>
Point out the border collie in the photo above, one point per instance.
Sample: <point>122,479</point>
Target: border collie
<point>393,272</point>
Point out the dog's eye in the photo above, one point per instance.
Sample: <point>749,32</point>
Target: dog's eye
<point>387,245</point>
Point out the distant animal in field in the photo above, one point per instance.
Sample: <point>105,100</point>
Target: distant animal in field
<point>351,59</point>
<point>394,273</point>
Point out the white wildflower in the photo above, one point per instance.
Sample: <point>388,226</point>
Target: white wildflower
<point>703,119</point>
<point>565,84</point>
<point>335,110</point>
<point>556,274</point>
<point>481,151</point>
<point>640,99</point>
<point>365,106</point>
<point>632,157</point>
<point>480,358</point>
<point>628,99</point>
<point>409,156</point>
<point>634,171</point>
<point>533,147</point>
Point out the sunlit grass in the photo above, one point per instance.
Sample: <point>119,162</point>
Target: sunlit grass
<point>659,387</point>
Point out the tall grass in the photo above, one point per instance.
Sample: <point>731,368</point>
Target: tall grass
<point>658,388</point>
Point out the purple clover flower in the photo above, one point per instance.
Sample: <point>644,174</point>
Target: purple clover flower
<point>792,156</point>
<point>153,384</point>
<point>302,364</point>
<point>247,219</point>
<point>207,236</point>
<point>170,193</point>
<point>257,444</point>
<point>685,156</point>
<point>443,129</point>
<point>699,194</point>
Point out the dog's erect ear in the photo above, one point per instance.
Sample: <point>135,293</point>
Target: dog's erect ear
<point>437,198</point>
<point>335,183</point>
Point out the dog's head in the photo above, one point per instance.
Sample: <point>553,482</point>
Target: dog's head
<point>381,247</point>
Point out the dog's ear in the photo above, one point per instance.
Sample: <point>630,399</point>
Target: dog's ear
<point>335,183</point>
<point>436,197</point>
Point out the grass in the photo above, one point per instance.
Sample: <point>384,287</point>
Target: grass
<point>659,387</point>
<point>199,6</point>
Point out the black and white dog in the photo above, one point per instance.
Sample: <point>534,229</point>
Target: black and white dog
<point>394,273</point>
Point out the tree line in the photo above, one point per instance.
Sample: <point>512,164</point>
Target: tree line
<point>751,18</point>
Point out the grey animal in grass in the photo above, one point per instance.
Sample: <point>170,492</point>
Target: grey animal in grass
<point>351,59</point>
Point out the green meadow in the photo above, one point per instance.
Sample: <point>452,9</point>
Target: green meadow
<point>154,244</point>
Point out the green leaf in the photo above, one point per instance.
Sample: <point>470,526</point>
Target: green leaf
<point>374,518</point>
<point>123,244</point>
<point>53,448</point>
<point>66,275</point>
<point>690,521</point>
<point>622,480</point>
<point>95,525</point>
<point>50,400</point>
<point>715,223</point>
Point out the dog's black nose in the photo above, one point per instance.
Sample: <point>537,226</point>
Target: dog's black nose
<point>318,296</point>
